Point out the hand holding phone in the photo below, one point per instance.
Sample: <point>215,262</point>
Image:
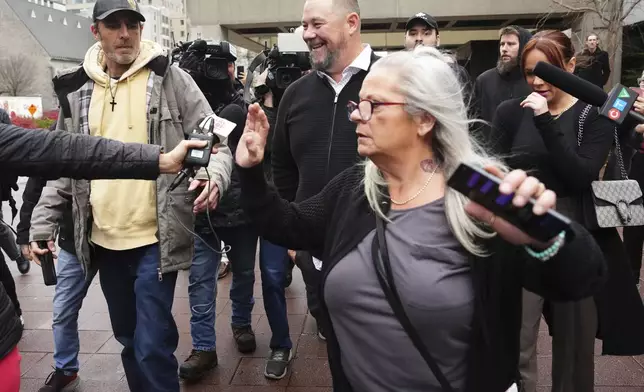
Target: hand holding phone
<point>516,206</point>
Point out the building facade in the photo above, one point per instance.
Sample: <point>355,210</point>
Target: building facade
<point>39,38</point>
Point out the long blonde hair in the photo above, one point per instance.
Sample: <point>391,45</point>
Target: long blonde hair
<point>430,85</point>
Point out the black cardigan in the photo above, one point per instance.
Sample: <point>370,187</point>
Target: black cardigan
<point>336,220</point>
<point>314,139</point>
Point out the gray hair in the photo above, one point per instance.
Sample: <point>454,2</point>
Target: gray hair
<point>429,84</point>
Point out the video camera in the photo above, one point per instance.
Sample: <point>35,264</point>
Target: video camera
<point>203,59</point>
<point>285,62</point>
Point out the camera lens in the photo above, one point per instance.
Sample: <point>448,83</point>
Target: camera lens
<point>286,79</point>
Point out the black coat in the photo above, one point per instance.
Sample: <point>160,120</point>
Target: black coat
<point>51,155</point>
<point>594,67</point>
<point>493,87</point>
<point>335,221</point>
<point>228,212</point>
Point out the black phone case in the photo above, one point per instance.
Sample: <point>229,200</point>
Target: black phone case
<point>47,265</point>
<point>483,188</point>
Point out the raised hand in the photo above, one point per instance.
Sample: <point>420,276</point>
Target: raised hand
<point>537,103</point>
<point>250,150</point>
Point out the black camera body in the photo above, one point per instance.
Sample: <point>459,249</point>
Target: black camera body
<point>284,68</point>
<point>203,59</point>
<point>286,61</point>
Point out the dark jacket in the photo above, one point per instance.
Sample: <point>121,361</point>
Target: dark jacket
<point>30,197</point>
<point>8,181</point>
<point>314,139</point>
<point>594,67</point>
<point>4,117</point>
<point>50,155</point>
<point>336,220</point>
<point>228,212</point>
<point>271,115</point>
<point>493,87</point>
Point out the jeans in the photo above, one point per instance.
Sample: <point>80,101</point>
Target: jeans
<point>202,293</point>
<point>71,289</point>
<point>140,307</point>
<point>273,264</point>
<point>203,285</point>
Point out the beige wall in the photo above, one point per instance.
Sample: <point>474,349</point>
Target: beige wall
<point>255,12</point>
<point>395,39</point>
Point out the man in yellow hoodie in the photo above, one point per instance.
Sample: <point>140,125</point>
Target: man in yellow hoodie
<point>133,231</point>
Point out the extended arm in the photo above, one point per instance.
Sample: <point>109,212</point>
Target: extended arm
<point>579,167</point>
<point>54,154</point>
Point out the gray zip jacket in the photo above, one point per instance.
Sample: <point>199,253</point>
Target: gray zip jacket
<point>175,107</point>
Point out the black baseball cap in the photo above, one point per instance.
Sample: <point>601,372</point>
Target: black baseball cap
<point>105,8</point>
<point>422,18</point>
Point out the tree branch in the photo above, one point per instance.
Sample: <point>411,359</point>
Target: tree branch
<point>575,9</point>
<point>630,10</point>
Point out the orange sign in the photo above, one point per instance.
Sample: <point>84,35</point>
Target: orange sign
<point>32,109</point>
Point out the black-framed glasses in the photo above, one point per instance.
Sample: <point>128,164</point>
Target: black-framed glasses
<point>365,107</point>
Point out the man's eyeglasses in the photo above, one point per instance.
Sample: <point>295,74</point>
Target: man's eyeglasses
<point>365,107</point>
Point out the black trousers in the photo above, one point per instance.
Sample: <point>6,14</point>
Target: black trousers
<point>312,278</point>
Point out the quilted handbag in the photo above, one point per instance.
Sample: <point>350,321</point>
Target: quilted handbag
<point>616,203</point>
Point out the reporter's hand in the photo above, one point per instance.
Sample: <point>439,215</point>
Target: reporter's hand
<point>250,150</point>
<point>26,252</point>
<point>172,162</point>
<point>537,103</point>
<point>36,251</point>
<point>524,188</point>
<point>209,197</point>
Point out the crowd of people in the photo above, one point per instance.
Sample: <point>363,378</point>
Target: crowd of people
<point>343,174</point>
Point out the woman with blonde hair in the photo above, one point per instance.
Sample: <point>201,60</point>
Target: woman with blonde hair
<point>421,288</point>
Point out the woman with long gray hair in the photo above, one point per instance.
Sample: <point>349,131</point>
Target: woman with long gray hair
<point>440,308</point>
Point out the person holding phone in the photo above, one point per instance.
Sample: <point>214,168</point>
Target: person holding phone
<point>540,134</point>
<point>458,268</point>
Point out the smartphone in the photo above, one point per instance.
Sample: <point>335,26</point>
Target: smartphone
<point>240,70</point>
<point>483,188</point>
<point>47,265</point>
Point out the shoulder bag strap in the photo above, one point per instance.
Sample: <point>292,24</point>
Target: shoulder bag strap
<point>380,256</point>
<point>618,147</point>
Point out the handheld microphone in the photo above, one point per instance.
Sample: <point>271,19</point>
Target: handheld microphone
<point>214,130</point>
<point>614,105</point>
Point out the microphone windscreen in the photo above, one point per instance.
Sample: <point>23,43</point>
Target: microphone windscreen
<point>572,84</point>
<point>234,113</point>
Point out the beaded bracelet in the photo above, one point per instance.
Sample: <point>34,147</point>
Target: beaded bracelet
<point>551,252</point>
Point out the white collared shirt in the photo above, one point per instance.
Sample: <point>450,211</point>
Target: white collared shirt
<point>361,63</point>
